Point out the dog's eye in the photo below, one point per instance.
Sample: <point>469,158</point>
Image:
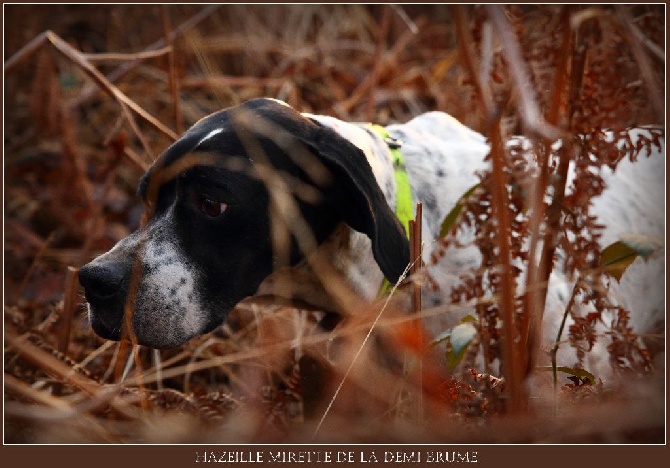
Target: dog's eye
<point>209,207</point>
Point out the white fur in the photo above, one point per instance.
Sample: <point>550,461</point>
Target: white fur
<point>216,131</point>
<point>633,203</point>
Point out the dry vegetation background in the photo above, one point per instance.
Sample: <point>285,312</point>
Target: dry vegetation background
<point>73,156</point>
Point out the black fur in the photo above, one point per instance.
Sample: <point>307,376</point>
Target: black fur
<point>232,254</point>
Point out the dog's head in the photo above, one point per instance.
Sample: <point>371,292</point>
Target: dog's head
<point>225,206</point>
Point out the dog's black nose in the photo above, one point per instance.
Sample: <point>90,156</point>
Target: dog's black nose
<point>101,281</point>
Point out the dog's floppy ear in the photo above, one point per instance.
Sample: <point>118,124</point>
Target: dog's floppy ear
<point>368,212</point>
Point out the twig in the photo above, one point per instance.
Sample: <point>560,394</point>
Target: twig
<point>557,342</point>
<point>413,267</point>
<point>50,364</point>
<point>172,71</point>
<point>468,57</point>
<point>226,81</point>
<point>539,270</point>
<point>26,51</point>
<point>122,357</point>
<point>655,50</point>
<point>77,58</point>
<point>406,19</point>
<point>135,159</point>
<point>513,354</point>
<point>382,58</point>
<point>513,359</point>
<point>94,354</point>
<point>486,65</point>
<point>119,57</point>
<point>69,306</point>
<point>196,19</point>
<point>107,86</point>
<point>656,96</point>
<point>18,387</point>
<point>158,365</point>
<point>416,251</point>
<point>529,109</point>
<point>578,53</point>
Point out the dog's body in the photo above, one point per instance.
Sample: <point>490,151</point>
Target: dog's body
<point>441,157</point>
<point>211,240</point>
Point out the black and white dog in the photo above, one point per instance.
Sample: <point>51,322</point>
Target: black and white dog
<point>217,194</point>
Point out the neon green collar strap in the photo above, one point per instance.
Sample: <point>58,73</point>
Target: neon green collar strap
<point>404,207</point>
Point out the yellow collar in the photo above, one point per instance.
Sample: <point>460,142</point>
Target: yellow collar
<point>404,206</point>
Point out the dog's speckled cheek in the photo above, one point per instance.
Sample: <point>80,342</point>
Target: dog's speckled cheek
<point>168,307</point>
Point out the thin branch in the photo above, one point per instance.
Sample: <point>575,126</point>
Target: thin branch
<point>655,50</point>
<point>118,57</point>
<point>406,19</point>
<point>468,57</point>
<point>538,269</point>
<point>513,359</point>
<point>80,60</point>
<point>187,25</point>
<point>514,356</point>
<point>555,209</point>
<point>656,96</point>
<point>50,364</point>
<point>173,80</point>
<point>26,51</point>
<point>76,56</point>
<point>416,250</point>
<point>230,81</point>
<point>416,258</point>
<point>529,109</point>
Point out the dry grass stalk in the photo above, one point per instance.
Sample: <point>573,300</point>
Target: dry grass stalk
<point>633,36</point>
<point>77,58</point>
<point>50,364</point>
<point>540,270</point>
<point>514,355</point>
<point>122,70</point>
<point>416,262</point>
<point>514,359</point>
<point>318,65</point>
<point>69,305</point>
<point>129,57</point>
<point>529,110</point>
<point>172,71</point>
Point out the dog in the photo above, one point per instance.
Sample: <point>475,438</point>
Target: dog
<point>248,195</point>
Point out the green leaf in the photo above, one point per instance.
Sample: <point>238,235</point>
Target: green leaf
<point>455,211</point>
<point>577,372</point>
<point>445,336</point>
<point>617,257</point>
<point>458,342</point>
<point>469,319</point>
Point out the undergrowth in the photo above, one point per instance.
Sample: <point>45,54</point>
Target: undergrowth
<point>97,98</point>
